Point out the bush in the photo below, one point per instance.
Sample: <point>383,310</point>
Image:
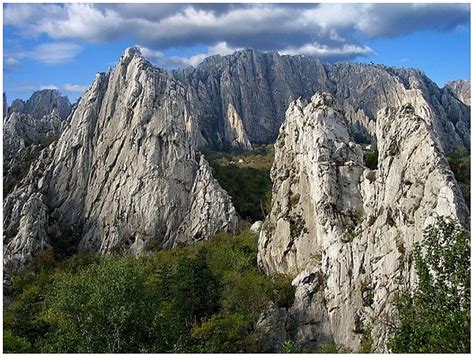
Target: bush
<point>107,307</point>
<point>435,318</point>
<point>289,347</point>
<point>246,178</point>
<point>12,343</point>
<point>283,292</point>
<point>205,298</point>
<point>371,158</point>
<point>460,164</point>
<point>222,333</point>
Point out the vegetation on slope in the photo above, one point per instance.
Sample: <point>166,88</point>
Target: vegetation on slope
<point>460,164</point>
<point>205,298</point>
<point>22,165</point>
<point>246,177</point>
<point>436,317</point>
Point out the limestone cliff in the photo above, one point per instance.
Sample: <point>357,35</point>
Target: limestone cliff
<point>43,102</point>
<point>344,231</point>
<point>28,128</point>
<point>259,86</point>
<point>123,174</point>
<point>461,89</point>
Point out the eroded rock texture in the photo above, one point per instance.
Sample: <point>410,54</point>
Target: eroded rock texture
<point>123,173</point>
<point>461,89</point>
<point>43,102</point>
<point>243,97</point>
<point>347,232</point>
<point>28,128</point>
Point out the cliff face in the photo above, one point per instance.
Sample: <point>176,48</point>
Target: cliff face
<point>461,89</point>
<point>347,232</point>
<point>259,87</point>
<point>123,173</point>
<point>43,102</point>
<point>28,128</point>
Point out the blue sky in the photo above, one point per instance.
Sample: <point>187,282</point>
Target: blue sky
<point>63,45</point>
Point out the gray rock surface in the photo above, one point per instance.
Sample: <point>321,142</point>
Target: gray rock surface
<point>344,231</point>
<point>461,89</point>
<point>124,173</point>
<point>5,107</point>
<point>42,103</point>
<point>28,128</point>
<point>241,98</point>
<point>256,227</point>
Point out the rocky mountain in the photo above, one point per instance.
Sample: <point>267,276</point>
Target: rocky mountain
<point>42,103</point>
<point>123,174</point>
<point>241,98</point>
<point>347,232</point>
<point>28,128</point>
<point>461,89</point>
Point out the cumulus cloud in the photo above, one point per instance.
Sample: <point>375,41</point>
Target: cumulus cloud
<point>221,48</point>
<point>75,88</point>
<point>152,55</point>
<point>325,30</point>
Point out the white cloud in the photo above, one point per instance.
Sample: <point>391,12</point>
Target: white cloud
<point>282,27</point>
<point>149,53</point>
<point>75,88</point>
<point>10,62</point>
<point>325,52</point>
<point>48,86</point>
<point>57,52</point>
<point>51,53</point>
<point>221,48</point>
<point>386,20</point>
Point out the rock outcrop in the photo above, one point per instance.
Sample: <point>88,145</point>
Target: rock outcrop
<point>28,128</point>
<point>461,89</point>
<point>123,174</point>
<point>347,232</point>
<point>258,88</point>
<point>42,103</point>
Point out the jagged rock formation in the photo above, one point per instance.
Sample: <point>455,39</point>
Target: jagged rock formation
<point>28,128</point>
<point>461,89</point>
<point>123,173</point>
<point>347,232</point>
<point>259,87</point>
<point>42,103</point>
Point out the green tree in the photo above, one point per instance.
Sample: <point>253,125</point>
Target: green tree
<point>205,298</point>
<point>107,307</point>
<point>12,343</point>
<point>193,290</point>
<point>436,317</point>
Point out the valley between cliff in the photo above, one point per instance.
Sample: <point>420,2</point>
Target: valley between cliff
<point>255,203</point>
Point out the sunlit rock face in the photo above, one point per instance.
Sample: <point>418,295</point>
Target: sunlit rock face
<point>461,89</point>
<point>243,97</point>
<point>123,174</point>
<point>346,232</point>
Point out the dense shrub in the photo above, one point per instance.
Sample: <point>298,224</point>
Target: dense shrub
<point>246,177</point>
<point>371,158</point>
<point>206,298</point>
<point>436,317</point>
<point>12,343</point>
